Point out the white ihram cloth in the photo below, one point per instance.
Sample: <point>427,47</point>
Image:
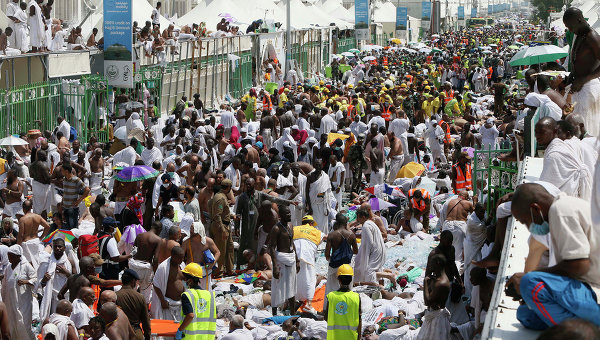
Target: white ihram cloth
<point>476,235</point>
<point>146,273</point>
<point>320,194</point>
<point>565,169</point>
<point>395,165</point>
<point>307,276</point>
<point>436,325</point>
<point>96,183</point>
<point>36,26</point>
<point>238,334</point>
<point>298,211</point>
<point>62,323</point>
<point>19,299</point>
<point>41,197</point>
<point>31,248</point>
<point>286,137</point>
<point>127,156</point>
<point>587,104</point>
<point>586,152</point>
<point>284,287</point>
<point>371,253</point>
<point>336,171</point>
<point>596,195</point>
<point>133,122</point>
<point>151,155</point>
<point>458,229</point>
<point>160,280</point>
<point>328,124</point>
<point>21,32</point>
<point>11,11</point>
<point>402,333</point>
<point>53,286</point>
<point>81,314</point>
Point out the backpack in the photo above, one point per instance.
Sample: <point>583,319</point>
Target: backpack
<point>342,255</point>
<point>88,244</point>
<point>73,134</point>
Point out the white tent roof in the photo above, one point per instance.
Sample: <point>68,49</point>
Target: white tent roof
<point>142,11</point>
<point>210,14</point>
<point>329,5</point>
<point>342,13</point>
<point>385,12</point>
<point>309,16</point>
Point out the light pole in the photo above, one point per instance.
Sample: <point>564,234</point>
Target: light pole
<point>288,37</point>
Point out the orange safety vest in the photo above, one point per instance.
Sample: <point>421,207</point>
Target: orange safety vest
<point>448,96</point>
<point>267,104</point>
<point>386,114</point>
<point>463,180</point>
<point>385,61</point>
<point>418,204</point>
<point>489,75</point>
<point>374,62</point>
<point>351,112</point>
<point>448,137</point>
<point>410,78</point>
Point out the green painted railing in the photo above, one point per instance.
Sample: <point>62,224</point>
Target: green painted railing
<point>36,106</point>
<point>501,177</point>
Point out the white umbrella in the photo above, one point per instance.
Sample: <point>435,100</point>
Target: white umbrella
<point>368,58</point>
<point>347,54</point>
<point>435,35</point>
<point>425,50</point>
<point>487,52</point>
<point>486,48</point>
<point>12,141</point>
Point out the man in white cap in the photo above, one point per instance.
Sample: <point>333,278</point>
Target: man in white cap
<point>17,285</point>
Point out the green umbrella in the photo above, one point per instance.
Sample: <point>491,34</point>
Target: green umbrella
<point>434,50</point>
<point>513,47</point>
<point>537,55</point>
<point>354,50</point>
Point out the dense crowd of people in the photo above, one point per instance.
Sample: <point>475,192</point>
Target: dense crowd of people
<point>283,214</point>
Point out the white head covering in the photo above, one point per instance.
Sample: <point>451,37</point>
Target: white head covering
<point>490,120</point>
<point>186,223</point>
<point>535,99</point>
<point>50,328</point>
<point>198,228</point>
<point>15,249</point>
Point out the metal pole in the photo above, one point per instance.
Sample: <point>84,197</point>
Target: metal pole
<point>7,102</point>
<point>288,36</point>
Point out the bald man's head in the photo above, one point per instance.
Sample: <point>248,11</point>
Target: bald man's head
<point>86,265</point>
<point>530,203</point>
<point>64,307</point>
<point>108,296</point>
<point>545,130</point>
<point>109,312</point>
<point>171,167</point>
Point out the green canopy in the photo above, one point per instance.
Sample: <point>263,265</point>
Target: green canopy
<point>537,55</point>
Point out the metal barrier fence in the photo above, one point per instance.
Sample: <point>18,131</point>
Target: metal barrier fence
<point>501,177</point>
<point>82,102</point>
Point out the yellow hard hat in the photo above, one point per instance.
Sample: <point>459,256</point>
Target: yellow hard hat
<point>193,269</point>
<point>345,269</point>
<point>321,83</point>
<point>425,82</point>
<point>427,87</point>
<point>308,218</point>
<point>350,86</point>
<point>403,85</point>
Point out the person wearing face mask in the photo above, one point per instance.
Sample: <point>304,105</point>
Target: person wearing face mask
<point>109,251</point>
<point>134,305</point>
<point>197,306</point>
<point>168,191</point>
<point>569,288</point>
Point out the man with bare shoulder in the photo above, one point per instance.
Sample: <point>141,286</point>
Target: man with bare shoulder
<point>585,56</point>
<point>145,260</point>
<point>27,238</point>
<point>435,293</point>
<point>166,245</point>
<point>195,248</point>
<point>117,323</point>
<point>458,210</point>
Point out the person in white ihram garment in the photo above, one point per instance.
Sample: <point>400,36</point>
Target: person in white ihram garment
<point>371,253</point>
<point>17,293</point>
<point>435,134</point>
<point>306,240</point>
<point>336,173</point>
<point>318,187</point>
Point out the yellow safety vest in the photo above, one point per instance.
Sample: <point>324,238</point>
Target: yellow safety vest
<point>307,232</point>
<point>343,315</point>
<point>204,324</point>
